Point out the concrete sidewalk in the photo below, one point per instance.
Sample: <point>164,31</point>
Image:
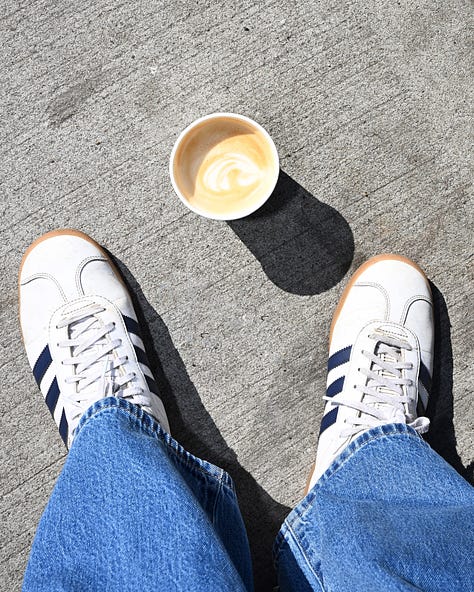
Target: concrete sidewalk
<point>369,105</point>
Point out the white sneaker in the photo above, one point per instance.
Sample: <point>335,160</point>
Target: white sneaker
<point>380,355</point>
<point>80,330</point>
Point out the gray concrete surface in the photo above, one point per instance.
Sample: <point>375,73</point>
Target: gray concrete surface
<point>369,106</point>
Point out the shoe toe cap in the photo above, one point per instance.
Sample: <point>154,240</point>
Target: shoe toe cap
<point>406,288</point>
<point>50,276</point>
<point>401,278</point>
<point>387,288</point>
<point>59,255</point>
<point>74,262</point>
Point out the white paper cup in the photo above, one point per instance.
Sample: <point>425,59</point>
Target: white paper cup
<point>224,166</point>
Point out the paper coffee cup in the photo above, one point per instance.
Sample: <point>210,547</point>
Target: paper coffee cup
<point>224,166</point>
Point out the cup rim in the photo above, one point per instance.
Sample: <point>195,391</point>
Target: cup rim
<point>255,206</point>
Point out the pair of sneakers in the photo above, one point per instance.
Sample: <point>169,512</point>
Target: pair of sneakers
<point>83,342</point>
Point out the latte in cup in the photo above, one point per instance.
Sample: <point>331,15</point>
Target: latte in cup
<point>224,166</point>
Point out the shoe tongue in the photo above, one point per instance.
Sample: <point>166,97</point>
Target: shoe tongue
<point>390,355</point>
<point>84,328</point>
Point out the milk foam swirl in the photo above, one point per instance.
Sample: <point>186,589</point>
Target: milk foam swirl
<point>230,172</point>
<point>224,166</point>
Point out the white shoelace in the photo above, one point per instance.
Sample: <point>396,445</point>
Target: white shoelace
<point>384,399</point>
<point>100,370</point>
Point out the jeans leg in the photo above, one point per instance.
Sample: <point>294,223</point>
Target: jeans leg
<point>132,510</point>
<point>389,514</point>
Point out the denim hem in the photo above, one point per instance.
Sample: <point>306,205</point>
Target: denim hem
<point>390,429</point>
<point>148,424</point>
<point>377,433</point>
<point>284,535</point>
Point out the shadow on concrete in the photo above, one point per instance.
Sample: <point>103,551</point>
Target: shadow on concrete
<point>441,435</point>
<point>304,246</point>
<point>194,428</point>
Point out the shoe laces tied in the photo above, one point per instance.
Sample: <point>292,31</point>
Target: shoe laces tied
<point>100,368</point>
<point>384,399</point>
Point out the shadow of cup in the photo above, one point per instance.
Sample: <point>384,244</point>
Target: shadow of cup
<point>305,246</point>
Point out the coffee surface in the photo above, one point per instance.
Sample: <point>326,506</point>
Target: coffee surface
<point>224,165</point>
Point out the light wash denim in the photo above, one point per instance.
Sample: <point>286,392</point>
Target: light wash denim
<point>133,511</point>
<point>388,515</point>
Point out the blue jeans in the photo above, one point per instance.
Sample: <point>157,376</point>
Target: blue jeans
<point>132,510</point>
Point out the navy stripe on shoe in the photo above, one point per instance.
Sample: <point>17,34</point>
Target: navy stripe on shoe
<point>425,377</point>
<point>151,385</point>
<point>63,428</point>
<point>335,387</point>
<point>141,355</point>
<point>52,396</point>
<point>420,408</point>
<point>328,420</point>
<point>42,365</point>
<point>340,357</point>
<point>132,326</point>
